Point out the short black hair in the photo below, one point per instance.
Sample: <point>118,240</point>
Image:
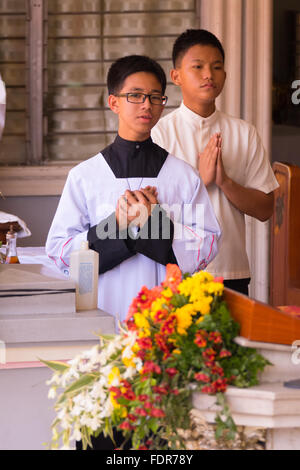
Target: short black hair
<point>128,65</point>
<point>192,37</point>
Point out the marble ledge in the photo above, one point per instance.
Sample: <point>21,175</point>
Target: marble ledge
<point>268,405</point>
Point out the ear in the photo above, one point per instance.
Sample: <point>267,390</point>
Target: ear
<point>175,76</point>
<point>113,103</point>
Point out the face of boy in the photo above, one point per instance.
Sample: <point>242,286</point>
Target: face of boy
<point>201,77</point>
<point>137,120</point>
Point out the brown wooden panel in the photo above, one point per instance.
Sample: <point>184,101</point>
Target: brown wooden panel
<point>148,5</point>
<point>83,121</point>
<point>77,74</point>
<point>69,97</point>
<point>16,99</point>
<point>13,74</point>
<point>12,50</point>
<point>15,123</point>
<point>12,150</point>
<point>82,73</point>
<point>77,147</point>
<point>285,237</point>
<point>91,49</point>
<point>261,322</point>
<point>131,24</point>
<point>12,26</point>
<point>73,6</point>
<point>12,6</point>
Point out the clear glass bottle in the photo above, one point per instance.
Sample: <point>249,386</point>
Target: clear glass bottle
<point>11,247</point>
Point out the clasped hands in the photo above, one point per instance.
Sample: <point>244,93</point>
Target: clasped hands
<point>210,163</point>
<point>135,207</point>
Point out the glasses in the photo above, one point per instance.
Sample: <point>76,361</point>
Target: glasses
<point>141,98</point>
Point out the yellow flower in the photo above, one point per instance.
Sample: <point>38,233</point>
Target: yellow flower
<point>167,293</point>
<point>176,351</point>
<point>203,305</point>
<point>184,318</point>
<point>114,374</point>
<point>128,361</point>
<point>141,321</point>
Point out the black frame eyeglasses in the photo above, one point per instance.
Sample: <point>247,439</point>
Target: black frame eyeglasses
<point>138,98</point>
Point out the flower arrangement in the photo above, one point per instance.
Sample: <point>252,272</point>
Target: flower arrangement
<point>178,337</point>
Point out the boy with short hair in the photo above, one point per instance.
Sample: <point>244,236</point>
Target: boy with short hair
<point>113,199</point>
<point>226,151</point>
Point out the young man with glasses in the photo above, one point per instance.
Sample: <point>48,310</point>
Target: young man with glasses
<point>114,199</point>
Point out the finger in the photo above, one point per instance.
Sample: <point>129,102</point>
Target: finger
<point>150,196</point>
<point>131,197</point>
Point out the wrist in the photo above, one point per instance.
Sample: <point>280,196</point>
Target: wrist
<point>226,184</point>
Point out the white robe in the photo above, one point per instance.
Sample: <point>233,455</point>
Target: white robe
<point>90,195</point>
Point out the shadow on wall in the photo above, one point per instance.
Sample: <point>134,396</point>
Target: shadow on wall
<point>37,213</point>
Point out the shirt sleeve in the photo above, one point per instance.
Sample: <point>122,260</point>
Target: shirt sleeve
<point>155,238</point>
<point>196,232</point>
<point>259,173</point>
<point>114,246</point>
<point>71,226</point>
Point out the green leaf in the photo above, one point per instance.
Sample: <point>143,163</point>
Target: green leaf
<point>56,366</point>
<point>82,382</point>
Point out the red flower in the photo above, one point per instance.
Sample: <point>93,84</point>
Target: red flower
<point>116,391</point>
<point>149,367</point>
<point>157,413</point>
<point>168,326</point>
<point>175,391</point>
<point>200,339</point>
<point>143,448</point>
<point>161,389</point>
<point>129,395</point>
<point>224,353</point>
<point>131,417</point>
<point>141,354</point>
<point>143,397</point>
<point>201,377</point>
<point>140,412</point>
<point>144,343</point>
<point>207,389</point>
<point>173,277</point>
<point>143,300</point>
<point>161,343</point>
<point>201,342</point>
<point>125,383</point>
<point>219,279</point>
<point>219,385</point>
<point>148,405</point>
<point>126,426</point>
<point>216,337</point>
<point>217,370</point>
<point>171,371</point>
<point>209,354</point>
<point>160,315</point>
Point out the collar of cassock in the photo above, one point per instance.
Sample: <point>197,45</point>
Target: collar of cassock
<point>128,159</point>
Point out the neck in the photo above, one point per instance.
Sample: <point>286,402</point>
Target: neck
<point>202,109</point>
<point>133,136</point>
